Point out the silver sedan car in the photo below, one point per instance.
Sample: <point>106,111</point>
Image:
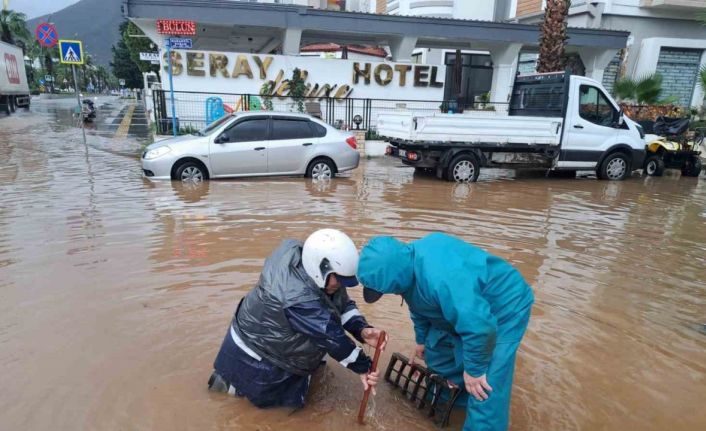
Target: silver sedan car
<point>254,144</point>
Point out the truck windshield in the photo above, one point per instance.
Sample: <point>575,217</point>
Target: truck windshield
<point>595,107</point>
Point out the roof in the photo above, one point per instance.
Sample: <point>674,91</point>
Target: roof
<point>375,51</point>
<point>361,28</point>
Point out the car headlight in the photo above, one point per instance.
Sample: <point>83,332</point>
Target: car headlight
<point>157,152</point>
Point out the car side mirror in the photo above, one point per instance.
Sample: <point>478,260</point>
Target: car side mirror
<point>222,138</point>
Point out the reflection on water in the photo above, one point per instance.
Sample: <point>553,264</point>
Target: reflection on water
<point>116,291</point>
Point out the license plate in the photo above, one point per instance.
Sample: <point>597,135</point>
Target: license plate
<point>402,154</point>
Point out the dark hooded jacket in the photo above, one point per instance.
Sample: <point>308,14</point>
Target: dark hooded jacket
<point>264,323</point>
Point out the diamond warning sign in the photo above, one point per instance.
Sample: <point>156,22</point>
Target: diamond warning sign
<point>71,51</point>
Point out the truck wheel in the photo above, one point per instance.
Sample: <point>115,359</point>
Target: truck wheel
<point>464,168</point>
<point>5,103</point>
<point>615,167</point>
<point>11,100</point>
<point>692,168</point>
<point>654,166</point>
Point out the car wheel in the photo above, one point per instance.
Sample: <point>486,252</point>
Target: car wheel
<point>190,172</point>
<point>615,167</point>
<point>654,166</point>
<point>321,169</point>
<point>463,169</point>
<point>692,168</point>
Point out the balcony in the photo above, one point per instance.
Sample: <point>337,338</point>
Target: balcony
<point>674,4</point>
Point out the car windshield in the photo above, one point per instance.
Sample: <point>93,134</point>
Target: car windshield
<point>213,126</point>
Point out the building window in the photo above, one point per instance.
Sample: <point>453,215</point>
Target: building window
<point>679,68</point>
<point>474,80</point>
<point>527,63</point>
<point>610,75</point>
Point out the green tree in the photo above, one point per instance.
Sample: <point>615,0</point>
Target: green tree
<point>553,37</point>
<point>137,42</point>
<point>643,91</point>
<point>297,88</point>
<point>122,64</point>
<point>102,76</point>
<point>13,27</point>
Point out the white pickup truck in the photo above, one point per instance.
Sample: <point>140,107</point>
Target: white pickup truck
<point>554,121</point>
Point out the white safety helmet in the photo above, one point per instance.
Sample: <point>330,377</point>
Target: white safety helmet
<point>329,251</point>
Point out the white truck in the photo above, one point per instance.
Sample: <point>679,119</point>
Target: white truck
<point>14,91</point>
<point>554,121</point>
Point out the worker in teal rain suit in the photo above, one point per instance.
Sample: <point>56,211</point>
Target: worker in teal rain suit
<point>469,308</point>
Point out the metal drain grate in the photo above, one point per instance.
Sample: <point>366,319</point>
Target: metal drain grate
<point>427,391</point>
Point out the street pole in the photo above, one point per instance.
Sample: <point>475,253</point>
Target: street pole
<point>171,87</point>
<point>78,99</point>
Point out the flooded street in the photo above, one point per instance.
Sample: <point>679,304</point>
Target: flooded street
<point>115,292</point>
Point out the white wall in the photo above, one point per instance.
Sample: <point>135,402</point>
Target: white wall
<point>476,9</point>
<point>461,9</point>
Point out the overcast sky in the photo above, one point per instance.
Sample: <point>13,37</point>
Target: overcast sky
<point>35,8</point>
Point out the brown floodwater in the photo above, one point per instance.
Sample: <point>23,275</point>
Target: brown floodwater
<point>115,292</point>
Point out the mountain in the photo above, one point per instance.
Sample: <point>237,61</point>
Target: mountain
<point>35,8</point>
<point>94,22</point>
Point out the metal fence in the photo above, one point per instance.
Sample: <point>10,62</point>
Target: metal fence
<point>349,114</point>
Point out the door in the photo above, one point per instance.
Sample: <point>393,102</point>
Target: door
<point>589,126</point>
<point>241,149</point>
<point>291,142</point>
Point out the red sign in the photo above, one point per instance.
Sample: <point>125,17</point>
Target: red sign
<point>13,72</point>
<point>178,27</point>
<point>46,35</point>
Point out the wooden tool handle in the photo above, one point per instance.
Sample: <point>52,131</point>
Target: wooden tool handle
<point>374,367</point>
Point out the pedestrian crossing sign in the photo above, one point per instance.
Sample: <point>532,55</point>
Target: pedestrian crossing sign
<point>71,51</point>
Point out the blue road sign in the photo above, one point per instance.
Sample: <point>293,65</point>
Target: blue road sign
<point>71,51</point>
<point>179,42</point>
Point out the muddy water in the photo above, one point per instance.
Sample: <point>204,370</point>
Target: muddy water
<point>115,292</point>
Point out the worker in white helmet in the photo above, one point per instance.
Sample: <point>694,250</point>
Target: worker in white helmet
<point>298,312</point>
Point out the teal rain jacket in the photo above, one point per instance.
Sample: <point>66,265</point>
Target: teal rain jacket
<point>452,287</point>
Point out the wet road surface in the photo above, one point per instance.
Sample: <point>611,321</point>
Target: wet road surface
<point>115,292</point>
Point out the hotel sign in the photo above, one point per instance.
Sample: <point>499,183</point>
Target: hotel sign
<point>269,75</point>
<point>177,27</point>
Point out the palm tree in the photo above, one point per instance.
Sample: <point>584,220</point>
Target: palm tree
<point>13,26</point>
<point>702,80</point>
<point>87,70</point>
<point>553,37</point>
<point>643,91</point>
<point>101,77</point>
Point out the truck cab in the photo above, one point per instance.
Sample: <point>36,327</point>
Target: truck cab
<point>594,126</point>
